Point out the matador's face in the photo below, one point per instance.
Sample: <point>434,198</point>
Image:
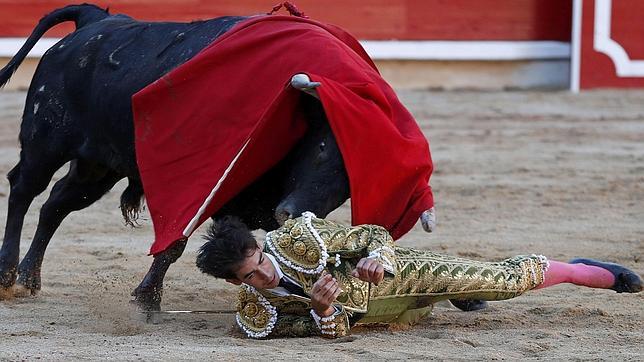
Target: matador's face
<point>257,271</point>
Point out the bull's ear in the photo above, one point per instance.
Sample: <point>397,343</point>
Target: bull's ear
<point>234,281</point>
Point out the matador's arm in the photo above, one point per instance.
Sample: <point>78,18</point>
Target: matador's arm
<point>258,318</point>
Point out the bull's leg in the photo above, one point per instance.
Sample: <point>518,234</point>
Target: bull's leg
<point>148,294</point>
<point>82,186</point>
<point>26,180</point>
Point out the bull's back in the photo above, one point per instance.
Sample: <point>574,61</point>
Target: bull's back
<point>135,53</point>
<point>92,73</point>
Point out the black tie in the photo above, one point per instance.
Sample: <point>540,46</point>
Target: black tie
<point>292,287</point>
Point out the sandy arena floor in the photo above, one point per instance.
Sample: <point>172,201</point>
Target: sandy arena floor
<point>516,172</point>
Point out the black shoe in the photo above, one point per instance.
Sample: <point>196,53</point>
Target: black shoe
<point>469,305</point>
<point>626,280</point>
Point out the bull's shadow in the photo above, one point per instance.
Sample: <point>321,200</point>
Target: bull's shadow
<point>78,110</point>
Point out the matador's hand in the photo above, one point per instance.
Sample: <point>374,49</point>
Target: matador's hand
<point>323,293</point>
<point>369,270</point>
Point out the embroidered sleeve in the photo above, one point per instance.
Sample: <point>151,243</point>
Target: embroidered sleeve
<point>291,325</point>
<point>381,247</point>
<point>334,326</point>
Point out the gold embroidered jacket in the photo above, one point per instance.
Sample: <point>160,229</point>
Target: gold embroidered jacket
<point>307,247</point>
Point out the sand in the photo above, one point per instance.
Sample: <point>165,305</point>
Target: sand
<point>516,172</point>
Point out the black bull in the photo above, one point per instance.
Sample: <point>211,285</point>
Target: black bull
<point>78,109</point>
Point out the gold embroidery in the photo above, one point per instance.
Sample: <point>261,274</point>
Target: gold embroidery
<point>251,309</point>
<point>444,277</point>
<point>261,319</point>
<point>284,241</point>
<point>297,231</point>
<point>255,315</point>
<point>415,278</point>
<point>299,248</point>
<point>312,256</point>
<point>295,245</point>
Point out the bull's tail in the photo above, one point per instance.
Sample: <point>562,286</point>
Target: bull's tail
<point>81,14</point>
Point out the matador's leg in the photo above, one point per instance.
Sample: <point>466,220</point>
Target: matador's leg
<point>594,274</point>
<point>439,277</point>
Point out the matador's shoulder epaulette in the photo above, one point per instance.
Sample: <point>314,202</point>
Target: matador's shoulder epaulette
<point>255,315</point>
<point>298,245</point>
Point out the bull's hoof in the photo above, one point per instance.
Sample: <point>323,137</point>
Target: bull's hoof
<point>7,289</point>
<point>8,276</point>
<point>21,291</point>
<point>626,280</point>
<point>28,284</point>
<point>145,313</point>
<point>6,293</point>
<point>469,305</point>
<point>146,300</point>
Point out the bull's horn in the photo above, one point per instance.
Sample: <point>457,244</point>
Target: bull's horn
<point>302,82</point>
<point>428,219</point>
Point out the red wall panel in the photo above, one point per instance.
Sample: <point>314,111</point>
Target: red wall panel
<point>597,70</point>
<point>375,19</point>
<point>627,26</point>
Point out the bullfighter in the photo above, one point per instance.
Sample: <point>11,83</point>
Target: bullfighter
<point>317,277</point>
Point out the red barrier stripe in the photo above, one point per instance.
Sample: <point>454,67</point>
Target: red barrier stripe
<point>375,19</point>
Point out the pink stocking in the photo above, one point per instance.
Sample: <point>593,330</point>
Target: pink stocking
<point>579,274</point>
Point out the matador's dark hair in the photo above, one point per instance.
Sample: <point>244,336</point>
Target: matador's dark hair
<point>228,243</point>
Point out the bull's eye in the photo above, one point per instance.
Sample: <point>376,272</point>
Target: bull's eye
<point>322,146</point>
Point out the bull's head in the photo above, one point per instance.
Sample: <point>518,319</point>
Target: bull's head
<point>316,180</point>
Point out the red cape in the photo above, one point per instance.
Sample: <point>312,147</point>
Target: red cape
<point>191,124</point>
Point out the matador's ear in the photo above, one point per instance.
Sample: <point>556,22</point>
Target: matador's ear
<point>234,281</point>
